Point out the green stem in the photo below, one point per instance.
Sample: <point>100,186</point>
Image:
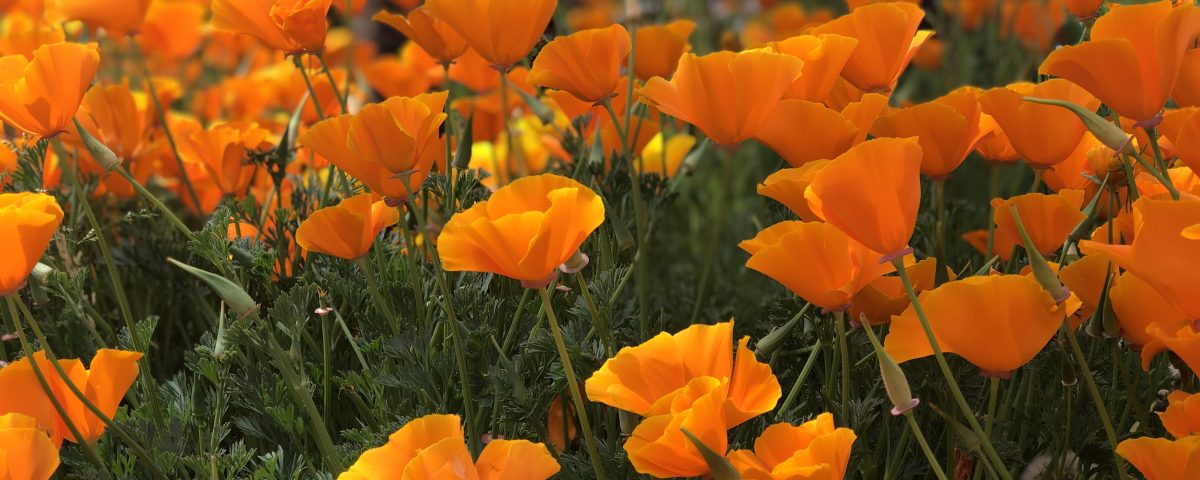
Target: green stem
<point>573,385</point>
<point>312,92</point>
<point>514,157</point>
<point>343,100</point>
<point>839,323</point>
<point>795,390</point>
<point>939,196</point>
<point>929,456</point>
<point>603,326</point>
<point>373,285</point>
<point>993,397</point>
<point>166,126</point>
<point>639,212</point>
<point>158,205</point>
<point>1094,391</point>
<point>510,335</point>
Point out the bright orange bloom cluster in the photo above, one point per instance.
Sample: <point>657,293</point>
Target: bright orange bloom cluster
<point>40,95</point>
<point>814,449</point>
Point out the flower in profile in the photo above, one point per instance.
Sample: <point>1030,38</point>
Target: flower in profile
<point>996,322</point>
<point>1044,135</point>
<point>872,193</point>
<point>27,224</point>
<point>433,447</point>
<point>223,152</point>
<point>525,231</point>
<point>888,37</point>
<point>829,132</point>
<point>814,449</point>
<point>824,57</point>
<point>26,452</point>
<point>40,95</point>
<point>293,26</point>
<point>434,36</point>
<point>1141,311</point>
<point>665,157</point>
<point>787,186</point>
<point>839,266</point>
<point>726,95</point>
<point>1162,459</point>
<point>658,48</point>
<point>104,383</point>
<point>948,128</point>
<point>503,32</point>
<point>118,17</point>
<point>1182,416</point>
<point>1048,219</point>
<point>347,229</point>
<point>674,386</point>
<point>1132,61</point>
<point>586,64</point>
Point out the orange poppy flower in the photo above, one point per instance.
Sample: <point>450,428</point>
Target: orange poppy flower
<point>840,266</point>
<point>996,322</point>
<point>1033,22</point>
<point>824,58</point>
<point>1182,416</point>
<point>1069,173</point>
<point>665,158</point>
<point>1044,135</point>
<point>173,30</point>
<point>947,128</point>
<point>104,383</point>
<point>585,64</point>
<point>666,381</point>
<point>658,48</point>
<point>560,425</point>
<point>1132,61</point>
<point>872,193</point>
<point>1161,459</point>
<point>8,165</point>
<point>814,449</point>
<point>118,17</point>
<point>1138,307</point>
<point>1085,278</point>
<point>27,223</point>
<point>525,231</point>
<point>888,37</point>
<point>433,447</point>
<point>1182,127</point>
<point>995,146</point>
<point>1187,88</point>
<point>293,26</point>
<point>886,296</point>
<point>1002,244</point>
<point>434,36</point>
<point>1159,254</point>
<point>223,152</point>
<point>829,133</point>
<point>787,186</point>
<point>1084,9</point>
<point>348,229</point>
<point>40,96</point>
<point>26,450</point>
<point>726,95</point>
<point>502,32</point>
<point>23,34</point>
<point>1047,218</point>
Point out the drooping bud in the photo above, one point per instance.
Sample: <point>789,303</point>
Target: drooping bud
<point>1041,268</point>
<point>99,151</point>
<point>234,296</point>
<point>1110,135</point>
<point>772,341</point>
<point>894,380</point>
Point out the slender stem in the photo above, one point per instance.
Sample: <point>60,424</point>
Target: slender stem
<point>451,172</point>
<point>1037,180</point>
<point>343,100</point>
<point>804,371</point>
<point>839,323</point>
<point>510,335</point>
<point>639,212</point>
<point>162,118</point>
<point>312,93</point>
<point>373,285</point>
<point>929,456</point>
<point>326,340</point>
<point>993,396</point>
<point>513,155</point>
<point>573,385</point>
<point>603,326</point>
<point>1094,391</point>
<point>939,198</point>
<point>158,205</point>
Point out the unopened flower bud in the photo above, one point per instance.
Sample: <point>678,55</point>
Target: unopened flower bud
<point>1104,130</point>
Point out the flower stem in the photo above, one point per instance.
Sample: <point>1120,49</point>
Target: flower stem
<point>377,294</point>
<point>1094,391</point>
<point>639,212</point>
<point>804,371</point>
<point>839,323</point>
<point>603,326</point>
<point>916,429</point>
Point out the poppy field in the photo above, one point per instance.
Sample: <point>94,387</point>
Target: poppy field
<point>609,239</point>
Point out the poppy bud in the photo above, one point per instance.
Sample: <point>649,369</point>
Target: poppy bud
<point>1111,135</point>
<point>100,152</point>
<point>772,341</point>
<point>231,293</point>
<point>1042,271</point>
<point>894,380</point>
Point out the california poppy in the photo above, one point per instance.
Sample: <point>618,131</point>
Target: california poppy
<point>948,128</point>
<point>1084,9</point>
<point>223,152</point>
<point>347,229</point>
<point>814,449</point>
<point>27,223</point>
<point>787,186</point>
<point>1132,61</point>
<point>830,133</point>
<point>173,30</point>
<point>104,383</point>
<point>726,95</point>
<point>996,322</point>
<point>1086,279</point>
<point>888,37</point>
<point>665,157</point>
<point>1182,416</point>
<point>1044,135</point>
<point>525,231</point>
<point>118,17</point>
<point>970,13</point>
<point>872,193</point>
<point>23,34</point>
<point>433,447</point>
<point>1048,219</point>
<point>837,266</point>
<point>1182,127</point>
<point>1140,308</point>
<point>824,57</point>
<point>26,450</point>
<point>666,381</point>
<point>585,64</point>
<point>1187,89</point>
<point>1162,459</point>
<point>40,96</point>
<point>1002,244</point>
<point>434,36</point>
<point>502,32</point>
<point>886,296</point>
<point>293,26</point>
<point>1069,173</point>
<point>658,48</point>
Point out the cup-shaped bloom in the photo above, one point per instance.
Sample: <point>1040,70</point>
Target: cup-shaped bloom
<point>525,231</point>
<point>690,379</point>
<point>1187,89</point>
<point>995,146</point>
<point>347,229</point>
<point>872,193</point>
<point>1140,308</point>
<point>1048,219</point>
<point>293,26</point>
<point>824,57</point>
<point>40,96</point>
<point>27,224</point>
<point>118,17</point>
<point>726,95</point>
<point>223,151</point>
<point>1162,459</point>
<point>502,31</point>
<point>1044,135</point>
<point>658,48</point>
<point>434,36</point>
<point>26,452</point>
<point>585,64</point>
<point>787,186</point>
<point>665,157</point>
<point>1160,254</point>
<point>886,296</point>
<point>829,133</point>
<point>1086,279</point>
<point>814,449</point>
<point>110,375</point>
<point>1132,61</point>
<point>888,37</point>
<point>948,129</point>
<point>838,266</point>
<point>433,447</point>
<point>996,322</point>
